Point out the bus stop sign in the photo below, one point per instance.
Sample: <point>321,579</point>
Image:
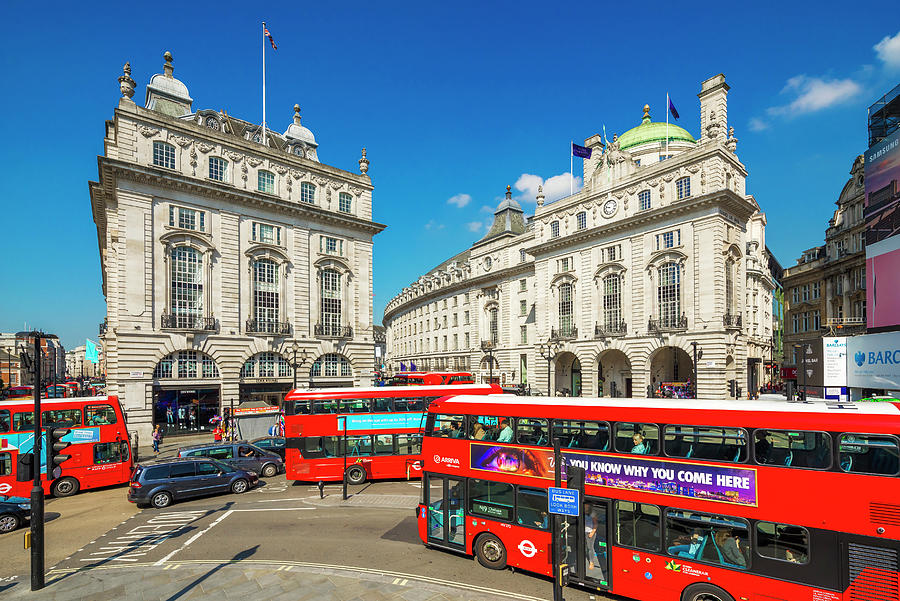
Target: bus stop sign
<point>564,501</point>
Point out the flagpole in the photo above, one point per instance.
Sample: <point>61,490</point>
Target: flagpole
<point>667,125</point>
<point>265,143</point>
<point>571,166</point>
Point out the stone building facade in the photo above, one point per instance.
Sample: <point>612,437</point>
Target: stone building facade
<point>661,249</point>
<point>231,257</point>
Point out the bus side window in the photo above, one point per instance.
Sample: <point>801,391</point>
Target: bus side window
<point>384,444</point>
<point>98,415</point>
<point>66,417</point>
<point>409,444</point>
<point>4,420</point>
<point>782,542</point>
<point>637,525</point>
<point>532,431</point>
<point>448,426</point>
<point>382,405</point>
<point>869,454</point>
<point>792,448</point>
<point>637,439</point>
<point>106,452</point>
<point>23,421</point>
<point>5,464</point>
<point>705,442</point>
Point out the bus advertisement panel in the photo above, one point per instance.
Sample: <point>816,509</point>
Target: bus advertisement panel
<point>680,499</point>
<point>100,453</point>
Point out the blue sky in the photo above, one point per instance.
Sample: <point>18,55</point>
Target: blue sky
<point>453,101</point>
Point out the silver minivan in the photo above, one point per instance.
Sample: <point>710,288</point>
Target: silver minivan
<point>240,454</point>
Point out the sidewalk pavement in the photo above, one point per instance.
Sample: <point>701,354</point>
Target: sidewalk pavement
<point>171,444</point>
<point>246,579</point>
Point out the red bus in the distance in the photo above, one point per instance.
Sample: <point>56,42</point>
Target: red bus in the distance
<point>100,453</point>
<point>682,500</point>
<point>422,378</point>
<point>379,429</point>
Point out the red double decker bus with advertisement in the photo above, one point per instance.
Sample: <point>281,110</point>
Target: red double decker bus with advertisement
<point>681,500</point>
<point>421,378</point>
<point>375,432</point>
<point>100,453</point>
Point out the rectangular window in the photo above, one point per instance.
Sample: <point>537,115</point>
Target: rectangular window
<point>265,182</point>
<point>217,168</point>
<point>805,290</point>
<point>707,537</point>
<point>448,426</point>
<point>456,342</point>
<point>110,452</point>
<point>582,434</point>
<point>554,229</point>
<point>708,443</point>
<point>805,320</point>
<point>523,368</point>
<point>467,340</point>
<point>521,255</point>
<point>307,193</point>
<point>644,200</point>
<point>782,542</point>
<point>668,239</point>
<point>531,508</point>
<point>816,320</point>
<point>795,323</point>
<point>384,444</point>
<point>332,246</point>
<point>267,234</point>
<point>869,454</point>
<point>466,318</point>
<point>455,319</point>
<point>563,265</point>
<point>683,187</point>
<point>4,421</point>
<point>409,444</point>
<point>523,285</point>
<point>792,448</point>
<point>638,439</point>
<point>582,220</point>
<point>359,446</point>
<point>163,155</point>
<point>99,415</point>
<point>23,421</point>
<point>795,295</point>
<point>5,464</point>
<point>345,203</point>
<point>523,334</point>
<point>187,219</point>
<point>637,525</point>
<point>63,417</point>
<point>532,431</point>
<point>816,289</point>
<point>491,499</point>
<point>523,307</point>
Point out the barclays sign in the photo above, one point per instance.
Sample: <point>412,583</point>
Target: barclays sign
<point>874,361</point>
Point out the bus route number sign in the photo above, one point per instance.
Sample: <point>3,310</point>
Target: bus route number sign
<point>563,501</point>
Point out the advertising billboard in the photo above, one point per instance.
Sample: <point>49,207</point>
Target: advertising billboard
<point>874,361</point>
<point>834,357</point>
<point>882,214</point>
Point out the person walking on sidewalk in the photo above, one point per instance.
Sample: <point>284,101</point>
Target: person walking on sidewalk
<point>157,438</point>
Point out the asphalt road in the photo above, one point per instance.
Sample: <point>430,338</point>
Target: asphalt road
<point>279,524</point>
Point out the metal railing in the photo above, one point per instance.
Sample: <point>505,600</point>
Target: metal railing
<point>332,331</point>
<point>668,323</point>
<point>169,321</point>
<point>619,328</point>
<point>260,326</point>
<point>732,321</point>
<point>564,333</point>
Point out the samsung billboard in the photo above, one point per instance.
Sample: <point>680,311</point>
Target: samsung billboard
<point>874,361</point>
<point>882,213</point>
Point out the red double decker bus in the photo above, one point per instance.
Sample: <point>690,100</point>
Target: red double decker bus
<point>100,453</point>
<point>377,430</point>
<point>421,378</point>
<point>682,500</point>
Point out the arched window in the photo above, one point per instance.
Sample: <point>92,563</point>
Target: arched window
<point>265,181</point>
<point>163,155</point>
<point>581,218</point>
<point>612,302</point>
<point>187,287</point>
<point>554,229</point>
<point>266,365</point>
<point>683,187</point>
<point>265,295</point>
<point>308,192</point>
<point>330,303</point>
<point>330,366</point>
<point>494,325</point>
<point>186,365</point>
<point>345,203</point>
<point>565,310</point>
<point>669,294</point>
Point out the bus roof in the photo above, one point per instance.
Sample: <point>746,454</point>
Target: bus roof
<point>390,391</point>
<point>666,410</point>
<point>29,402</point>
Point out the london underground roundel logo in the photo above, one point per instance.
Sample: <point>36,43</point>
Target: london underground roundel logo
<point>527,548</point>
<point>5,488</point>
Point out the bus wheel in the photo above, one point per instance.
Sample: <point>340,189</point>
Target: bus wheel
<point>705,592</point>
<point>64,487</point>
<point>356,475</point>
<point>490,552</point>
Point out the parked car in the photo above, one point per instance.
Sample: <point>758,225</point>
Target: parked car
<point>240,454</point>
<point>14,511</point>
<point>160,483</point>
<point>272,444</point>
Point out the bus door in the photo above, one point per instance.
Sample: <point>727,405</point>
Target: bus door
<point>587,538</point>
<point>445,498</point>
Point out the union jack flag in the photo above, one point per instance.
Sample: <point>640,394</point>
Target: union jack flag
<point>269,35</point>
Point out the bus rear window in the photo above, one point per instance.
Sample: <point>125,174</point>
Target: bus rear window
<point>869,454</point>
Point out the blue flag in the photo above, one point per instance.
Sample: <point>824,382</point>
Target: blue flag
<point>581,151</point>
<point>402,366</point>
<point>412,366</point>
<point>672,109</point>
<point>90,351</point>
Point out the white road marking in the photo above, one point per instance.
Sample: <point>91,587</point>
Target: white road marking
<point>193,538</point>
<point>142,539</point>
<point>277,509</point>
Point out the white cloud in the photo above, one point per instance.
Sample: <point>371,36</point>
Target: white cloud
<point>757,124</point>
<point>434,225</point>
<point>555,187</point>
<point>487,209</point>
<point>459,200</point>
<point>475,226</point>
<point>815,94</point>
<point>888,50</point>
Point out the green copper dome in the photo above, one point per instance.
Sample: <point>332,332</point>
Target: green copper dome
<point>648,131</point>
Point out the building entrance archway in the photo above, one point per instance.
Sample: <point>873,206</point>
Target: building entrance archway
<point>568,375</point>
<point>613,374</point>
<point>671,372</point>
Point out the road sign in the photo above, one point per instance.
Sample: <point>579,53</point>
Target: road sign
<point>564,501</point>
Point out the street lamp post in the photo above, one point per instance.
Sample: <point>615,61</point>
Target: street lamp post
<point>303,357</point>
<point>698,354</point>
<point>488,347</point>
<point>548,351</point>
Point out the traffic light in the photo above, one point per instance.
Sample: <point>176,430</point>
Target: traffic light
<point>732,388</point>
<point>25,467</point>
<point>55,447</point>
